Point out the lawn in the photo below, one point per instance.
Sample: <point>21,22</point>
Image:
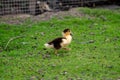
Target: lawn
<point>94,54</point>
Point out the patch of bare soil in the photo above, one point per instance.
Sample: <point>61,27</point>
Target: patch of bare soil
<point>60,14</point>
<point>14,19</point>
<point>21,18</point>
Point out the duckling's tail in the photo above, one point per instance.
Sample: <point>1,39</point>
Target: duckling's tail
<point>48,45</point>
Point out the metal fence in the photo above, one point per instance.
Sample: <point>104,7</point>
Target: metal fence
<point>39,6</point>
<point>16,6</point>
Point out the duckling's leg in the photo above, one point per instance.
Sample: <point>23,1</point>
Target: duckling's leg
<point>56,51</point>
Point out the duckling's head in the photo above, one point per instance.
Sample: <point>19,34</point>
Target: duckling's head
<point>66,32</point>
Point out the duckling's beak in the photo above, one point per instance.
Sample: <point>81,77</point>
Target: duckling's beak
<point>71,34</point>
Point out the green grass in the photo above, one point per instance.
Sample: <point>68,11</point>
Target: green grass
<point>95,53</point>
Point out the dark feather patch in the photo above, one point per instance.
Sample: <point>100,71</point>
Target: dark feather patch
<point>56,42</point>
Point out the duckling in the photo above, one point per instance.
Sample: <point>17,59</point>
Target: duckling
<point>60,42</point>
